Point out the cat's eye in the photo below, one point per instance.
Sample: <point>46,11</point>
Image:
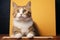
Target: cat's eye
<point>18,11</point>
<point>24,10</point>
<point>29,14</point>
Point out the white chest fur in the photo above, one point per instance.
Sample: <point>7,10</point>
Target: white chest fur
<point>23,25</point>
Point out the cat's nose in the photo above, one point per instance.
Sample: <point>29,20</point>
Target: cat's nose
<point>21,14</point>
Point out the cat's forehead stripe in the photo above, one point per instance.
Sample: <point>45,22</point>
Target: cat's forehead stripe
<point>21,10</point>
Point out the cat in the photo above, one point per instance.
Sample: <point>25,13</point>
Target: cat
<point>22,21</point>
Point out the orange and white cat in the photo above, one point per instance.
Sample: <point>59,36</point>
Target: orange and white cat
<point>22,21</point>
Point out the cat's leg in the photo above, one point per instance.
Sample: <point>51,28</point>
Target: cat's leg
<point>18,35</point>
<point>30,34</point>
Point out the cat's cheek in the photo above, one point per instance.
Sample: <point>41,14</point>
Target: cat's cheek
<point>16,18</point>
<point>18,15</point>
<point>30,35</point>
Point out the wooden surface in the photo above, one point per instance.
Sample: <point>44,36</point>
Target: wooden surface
<point>5,37</point>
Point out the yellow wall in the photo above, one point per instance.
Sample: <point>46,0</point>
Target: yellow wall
<point>43,13</point>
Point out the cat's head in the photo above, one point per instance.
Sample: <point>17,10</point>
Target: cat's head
<point>22,13</point>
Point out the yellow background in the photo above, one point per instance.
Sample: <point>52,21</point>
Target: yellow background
<point>43,14</point>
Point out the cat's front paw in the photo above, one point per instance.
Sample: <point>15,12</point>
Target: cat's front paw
<point>16,35</point>
<point>30,35</point>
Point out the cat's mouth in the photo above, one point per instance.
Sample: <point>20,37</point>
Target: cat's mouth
<point>23,19</point>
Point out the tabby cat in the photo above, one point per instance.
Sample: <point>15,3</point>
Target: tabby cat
<point>22,21</point>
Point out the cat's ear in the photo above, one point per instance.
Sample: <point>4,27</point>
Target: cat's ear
<point>14,5</point>
<point>28,5</point>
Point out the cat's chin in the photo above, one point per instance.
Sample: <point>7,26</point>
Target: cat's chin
<point>23,20</point>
